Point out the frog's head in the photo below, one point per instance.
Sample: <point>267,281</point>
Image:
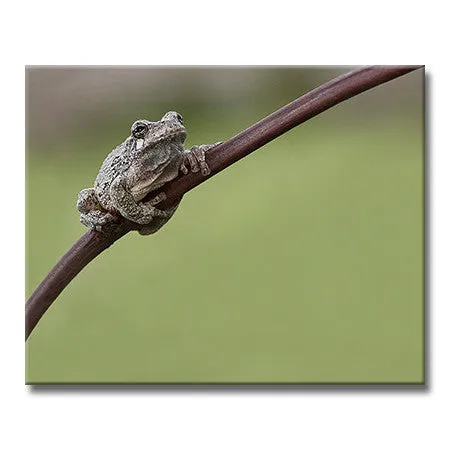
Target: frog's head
<point>169,129</point>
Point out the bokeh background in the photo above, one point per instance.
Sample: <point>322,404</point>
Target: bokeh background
<point>302,263</point>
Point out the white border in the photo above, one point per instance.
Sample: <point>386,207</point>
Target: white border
<point>346,32</point>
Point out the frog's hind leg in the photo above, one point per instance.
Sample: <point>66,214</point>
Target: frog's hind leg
<point>87,201</point>
<point>92,214</point>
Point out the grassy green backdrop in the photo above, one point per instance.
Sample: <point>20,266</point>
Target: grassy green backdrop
<point>303,263</point>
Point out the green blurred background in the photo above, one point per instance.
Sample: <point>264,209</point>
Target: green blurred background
<point>302,263</point>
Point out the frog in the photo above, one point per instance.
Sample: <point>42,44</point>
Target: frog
<point>150,157</point>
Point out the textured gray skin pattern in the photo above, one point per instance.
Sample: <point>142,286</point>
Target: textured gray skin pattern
<point>150,157</point>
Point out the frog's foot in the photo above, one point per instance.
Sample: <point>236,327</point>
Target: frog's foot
<point>96,219</point>
<point>157,199</point>
<point>195,157</point>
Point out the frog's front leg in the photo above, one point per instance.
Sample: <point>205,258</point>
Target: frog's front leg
<point>158,222</point>
<point>139,212</point>
<point>92,214</point>
<point>196,159</point>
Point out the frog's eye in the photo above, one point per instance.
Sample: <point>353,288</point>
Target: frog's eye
<point>139,129</point>
<point>180,118</point>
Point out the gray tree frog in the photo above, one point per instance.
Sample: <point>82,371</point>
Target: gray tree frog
<point>150,157</point>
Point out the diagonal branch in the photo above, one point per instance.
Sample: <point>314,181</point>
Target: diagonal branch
<point>92,243</point>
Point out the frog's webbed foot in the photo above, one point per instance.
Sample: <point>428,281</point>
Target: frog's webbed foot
<point>195,157</point>
<point>157,199</point>
<point>92,214</point>
<point>97,219</point>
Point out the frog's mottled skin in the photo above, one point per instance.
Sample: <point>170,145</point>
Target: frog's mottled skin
<point>152,155</point>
